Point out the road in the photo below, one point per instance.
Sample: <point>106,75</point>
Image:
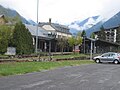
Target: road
<point>84,77</point>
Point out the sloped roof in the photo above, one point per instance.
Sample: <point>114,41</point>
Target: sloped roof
<point>113,22</point>
<point>41,31</point>
<point>56,26</point>
<point>99,41</point>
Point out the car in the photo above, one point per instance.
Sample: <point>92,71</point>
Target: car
<point>108,57</point>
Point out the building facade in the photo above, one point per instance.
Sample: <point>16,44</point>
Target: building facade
<point>110,34</point>
<point>61,31</point>
<point>98,46</point>
<point>49,35</point>
<point>111,42</point>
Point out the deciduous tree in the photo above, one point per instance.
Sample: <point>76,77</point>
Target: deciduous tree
<point>5,37</point>
<point>75,40</point>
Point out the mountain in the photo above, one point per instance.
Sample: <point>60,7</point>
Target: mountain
<point>94,24</point>
<point>32,22</point>
<point>83,25</point>
<point>94,28</point>
<point>9,13</point>
<point>112,22</point>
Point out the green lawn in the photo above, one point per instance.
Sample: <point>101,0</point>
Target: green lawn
<point>69,56</point>
<point>14,68</point>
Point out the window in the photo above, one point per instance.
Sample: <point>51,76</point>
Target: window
<point>111,55</point>
<point>105,55</point>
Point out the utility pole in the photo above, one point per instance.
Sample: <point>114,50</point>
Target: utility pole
<point>36,49</point>
<point>91,49</point>
<point>84,43</point>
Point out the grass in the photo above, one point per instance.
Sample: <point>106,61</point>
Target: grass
<point>71,55</point>
<point>26,67</point>
<point>4,56</point>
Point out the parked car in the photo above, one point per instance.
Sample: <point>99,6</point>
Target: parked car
<point>108,57</point>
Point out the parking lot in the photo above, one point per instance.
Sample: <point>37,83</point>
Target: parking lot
<point>84,77</point>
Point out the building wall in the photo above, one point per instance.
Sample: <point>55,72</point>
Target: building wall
<point>118,35</point>
<point>48,28</point>
<point>111,35</point>
<point>62,34</point>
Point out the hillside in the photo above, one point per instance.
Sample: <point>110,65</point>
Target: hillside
<point>112,22</point>
<point>12,15</point>
<point>92,24</point>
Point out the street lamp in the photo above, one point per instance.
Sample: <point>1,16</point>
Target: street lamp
<point>52,36</point>
<point>91,49</point>
<point>84,36</point>
<point>37,27</point>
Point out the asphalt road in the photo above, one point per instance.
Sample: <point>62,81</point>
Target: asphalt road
<point>84,77</point>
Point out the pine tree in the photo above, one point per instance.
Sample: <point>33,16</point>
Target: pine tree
<point>92,36</point>
<point>83,34</point>
<point>102,34</point>
<point>22,39</point>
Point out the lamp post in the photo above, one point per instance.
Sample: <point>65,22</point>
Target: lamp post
<point>51,36</point>
<point>84,42</point>
<point>36,49</point>
<point>91,49</point>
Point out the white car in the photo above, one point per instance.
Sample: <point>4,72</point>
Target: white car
<point>108,57</point>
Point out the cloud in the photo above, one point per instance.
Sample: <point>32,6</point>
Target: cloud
<point>63,11</point>
<point>110,8</point>
<point>75,26</point>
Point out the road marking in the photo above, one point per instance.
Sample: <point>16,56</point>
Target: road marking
<point>74,75</point>
<point>103,80</point>
<point>36,84</point>
<point>51,86</point>
<point>119,82</point>
<point>84,80</point>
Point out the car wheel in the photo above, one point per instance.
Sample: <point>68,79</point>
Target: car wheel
<point>116,61</point>
<point>97,60</point>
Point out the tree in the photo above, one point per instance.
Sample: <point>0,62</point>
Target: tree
<point>62,42</point>
<point>14,19</point>
<point>92,36</point>
<point>6,32</point>
<point>22,39</point>
<point>75,40</point>
<point>83,34</point>
<point>102,34</point>
<point>72,41</point>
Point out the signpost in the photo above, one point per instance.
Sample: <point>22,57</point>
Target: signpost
<point>11,51</point>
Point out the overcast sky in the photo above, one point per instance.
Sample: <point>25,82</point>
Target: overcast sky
<point>63,11</point>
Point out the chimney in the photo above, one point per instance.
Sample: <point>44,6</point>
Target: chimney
<point>49,20</point>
